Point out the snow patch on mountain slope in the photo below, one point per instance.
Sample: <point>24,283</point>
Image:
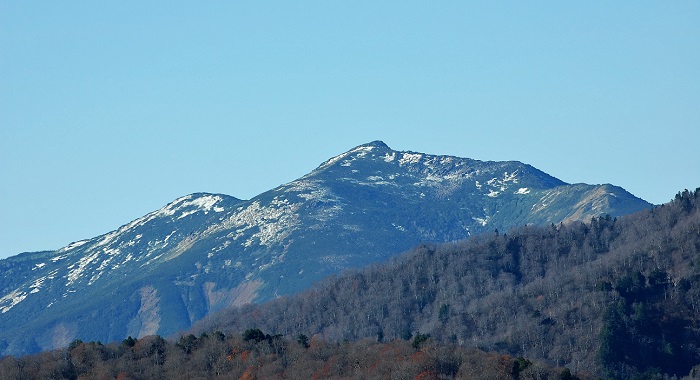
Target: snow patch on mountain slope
<point>499,185</point>
<point>482,221</point>
<point>274,223</point>
<point>204,203</point>
<point>438,162</point>
<point>37,284</point>
<point>356,154</point>
<point>399,227</point>
<point>510,177</point>
<point>409,158</point>
<point>313,192</point>
<point>332,161</point>
<point>260,224</point>
<point>362,150</point>
<point>359,152</point>
<point>10,300</point>
<point>309,190</point>
<point>77,269</point>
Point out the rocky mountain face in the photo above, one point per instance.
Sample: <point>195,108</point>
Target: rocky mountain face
<point>203,252</point>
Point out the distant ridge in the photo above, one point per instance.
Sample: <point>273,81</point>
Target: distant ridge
<point>203,252</point>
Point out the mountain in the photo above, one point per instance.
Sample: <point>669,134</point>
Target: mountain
<point>203,252</point>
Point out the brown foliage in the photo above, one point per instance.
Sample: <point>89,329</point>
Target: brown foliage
<point>232,357</point>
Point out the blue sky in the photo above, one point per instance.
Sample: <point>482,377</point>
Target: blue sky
<point>110,110</point>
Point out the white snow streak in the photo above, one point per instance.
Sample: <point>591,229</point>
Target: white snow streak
<point>482,221</point>
<point>9,301</point>
<point>409,158</point>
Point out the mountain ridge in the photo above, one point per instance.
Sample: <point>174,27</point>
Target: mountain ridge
<point>203,251</point>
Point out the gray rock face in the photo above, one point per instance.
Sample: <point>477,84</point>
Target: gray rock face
<point>203,252</point>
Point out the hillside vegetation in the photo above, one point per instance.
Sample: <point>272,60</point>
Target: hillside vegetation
<point>616,297</point>
<point>255,355</point>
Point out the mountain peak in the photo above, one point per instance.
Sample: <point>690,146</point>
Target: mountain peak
<point>375,144</point>
<point>358,152</point>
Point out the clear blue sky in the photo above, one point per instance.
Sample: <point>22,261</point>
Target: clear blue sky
<point>110,110</point>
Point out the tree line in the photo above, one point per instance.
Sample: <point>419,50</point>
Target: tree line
<point>256,355</point>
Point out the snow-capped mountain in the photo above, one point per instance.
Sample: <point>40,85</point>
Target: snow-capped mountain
<point>203,252</point>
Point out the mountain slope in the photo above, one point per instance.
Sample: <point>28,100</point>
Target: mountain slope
<point>204,252</point>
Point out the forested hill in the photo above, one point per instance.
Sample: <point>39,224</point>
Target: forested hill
<point>616,297</point>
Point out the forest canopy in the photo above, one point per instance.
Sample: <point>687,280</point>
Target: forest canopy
<point>616,297</point>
